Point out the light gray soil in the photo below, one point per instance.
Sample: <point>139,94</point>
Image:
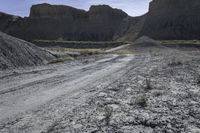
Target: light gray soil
<point>154,90</point>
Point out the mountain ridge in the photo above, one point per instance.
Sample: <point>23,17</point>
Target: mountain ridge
<point>165,20</point>
<point>52,22</point>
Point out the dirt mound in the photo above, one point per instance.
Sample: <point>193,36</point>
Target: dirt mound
<point>146,41</point>
<point>18,53</point>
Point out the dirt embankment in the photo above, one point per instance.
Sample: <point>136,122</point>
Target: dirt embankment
<point>77,44</point>
<point>16,53</point>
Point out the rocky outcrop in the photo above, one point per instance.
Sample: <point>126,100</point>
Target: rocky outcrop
<point>173,19</point>
<point>52,22</point>
<point>5,19</point>
<point>45,10</point>
<point>135,25</point>
<point>16,53</point>
<point>166,19</point>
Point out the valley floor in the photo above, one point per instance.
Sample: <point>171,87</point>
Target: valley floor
<point>153,90</point>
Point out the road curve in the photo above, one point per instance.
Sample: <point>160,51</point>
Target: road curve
<point>24,94</point>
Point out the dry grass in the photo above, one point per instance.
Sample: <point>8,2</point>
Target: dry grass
<point>180,42</point>
<point>60,59</point>
<point>123,52</point>
<point>81,51</point>
<point>82,42</point>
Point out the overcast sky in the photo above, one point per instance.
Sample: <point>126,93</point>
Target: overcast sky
<point>22,7</point>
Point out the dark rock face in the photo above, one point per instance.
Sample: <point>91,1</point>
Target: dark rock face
<point>5,19</point>
<point>135,25</point>
<point>52,22</point>
<point>18,53</point>
<point>43,11</point>
<point>173,19</point>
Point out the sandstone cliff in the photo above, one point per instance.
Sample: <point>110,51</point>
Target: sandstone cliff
<point>52,22</point>
<point>55,11</point>
<point>166,19</point>
<point>173,19</point>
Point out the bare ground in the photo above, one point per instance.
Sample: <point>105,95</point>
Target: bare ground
<point>153,90</point>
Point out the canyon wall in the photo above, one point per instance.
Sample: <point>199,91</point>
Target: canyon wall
<point>173,19</point>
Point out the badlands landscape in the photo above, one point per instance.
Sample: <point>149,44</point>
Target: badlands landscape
<point>67,70</point>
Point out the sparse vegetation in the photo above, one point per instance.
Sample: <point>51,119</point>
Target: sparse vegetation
<point>148,85</point>
<point>180,42</point>
<point>198,79</point>
<point>123,52</point>
<point>141,101</point>
<point>175,62</point>
<point>80,51</point>
<point>77,44</point>
<point>60,59</point>
<point>108,115</point>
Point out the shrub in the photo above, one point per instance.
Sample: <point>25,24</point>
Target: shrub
<point>108,115</point>
<point>148,85</point>
<point>198,79</point>
<point>175,62</point>
<point>141,101</point>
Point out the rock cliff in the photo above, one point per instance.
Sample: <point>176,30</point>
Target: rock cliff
<point>5,19</point>
<point>173,19</point>
<point>45,10</point>
<point>52,22</point>
<point>166,19</point>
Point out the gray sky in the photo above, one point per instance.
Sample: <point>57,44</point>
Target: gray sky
<point>22,7</point>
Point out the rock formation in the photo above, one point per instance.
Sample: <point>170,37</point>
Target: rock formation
<point>52,22</point>
<point>18,53</point>
<point>5,19</point>
<point>173,19</point>
<point>166,19</point>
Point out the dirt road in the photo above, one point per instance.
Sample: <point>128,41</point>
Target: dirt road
<point>24,93</point>
<point>154,90</point>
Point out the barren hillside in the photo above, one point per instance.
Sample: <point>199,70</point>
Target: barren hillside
<point>18,53</point>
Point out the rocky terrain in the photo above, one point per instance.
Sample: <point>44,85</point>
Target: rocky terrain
<point>16,53</point>
<point>53,22</point>
<point>142,87</point>
<point>173,19</point>
<point>151,89</point>
<point>166,19</point>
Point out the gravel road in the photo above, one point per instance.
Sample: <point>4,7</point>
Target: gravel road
<point>23,93</point>
<point>153,90</point>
